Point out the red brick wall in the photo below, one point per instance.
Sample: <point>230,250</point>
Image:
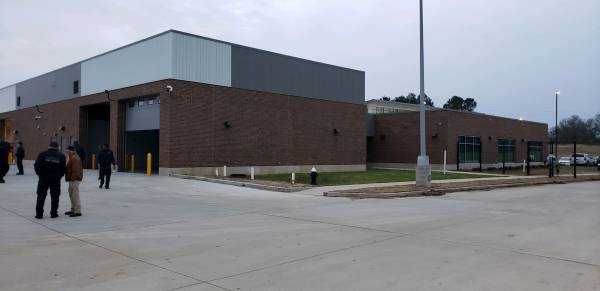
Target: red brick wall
<point>401,131</point>
<point>267,129</point>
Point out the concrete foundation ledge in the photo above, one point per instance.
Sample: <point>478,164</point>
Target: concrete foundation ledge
<point>451,167</point>
<point>259,170</point>
<point>444,188</point>
<point>284,189</point>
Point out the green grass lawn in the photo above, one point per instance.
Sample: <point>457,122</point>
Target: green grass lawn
<point>368,177</point>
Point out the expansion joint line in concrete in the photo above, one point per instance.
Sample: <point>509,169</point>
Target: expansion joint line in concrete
<point>200,281</point>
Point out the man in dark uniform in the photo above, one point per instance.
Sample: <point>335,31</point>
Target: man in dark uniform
<point>4,166</point>
<point>50,166</point>
<point>20,155</point>
<point>106,159</point>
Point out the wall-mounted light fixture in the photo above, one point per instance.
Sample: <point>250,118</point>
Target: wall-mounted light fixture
<point>490,137</point>
<point>336,131</point>
<point>108,95</point>
<point>62,128</point>
<point>435,135</point>
<point>227,124</point>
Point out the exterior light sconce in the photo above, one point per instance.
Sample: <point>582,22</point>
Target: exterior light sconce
<point>62,128</point>
<point>523,140</point>
<point>336,131</point>
<point>435,135</point>
<point>490,137</point>
<point>37,108</point>
<point>16,131</point>
<point>108,95</point>
<point>227,124</point>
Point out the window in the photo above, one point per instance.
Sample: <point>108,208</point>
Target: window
<point>18,100</point>
<point>469,149</point>
<point>131,103</point>
<point>150,101</point>
<point>506,147</point>
<point>372,109</point>
<point>75,87</point>
<point>535,151</point>
<point>378,109</point>
<point>141,102</point>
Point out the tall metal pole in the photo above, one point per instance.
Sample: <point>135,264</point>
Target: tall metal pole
<point>423,172</point>
<point>556,93</point>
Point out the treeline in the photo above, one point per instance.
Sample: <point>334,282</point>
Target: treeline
<point>574,128</point>
<point>455,102</point>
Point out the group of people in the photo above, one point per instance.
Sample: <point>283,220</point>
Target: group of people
<point>51,166</point>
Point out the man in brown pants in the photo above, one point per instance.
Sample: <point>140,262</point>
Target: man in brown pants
<point>74,176</point>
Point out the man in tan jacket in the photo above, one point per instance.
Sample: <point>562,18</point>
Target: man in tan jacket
<point>74,176</point>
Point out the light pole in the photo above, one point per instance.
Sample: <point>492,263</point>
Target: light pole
<point>556,93</point>
<point>423,172</point>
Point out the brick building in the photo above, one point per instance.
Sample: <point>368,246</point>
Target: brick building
<point>195,104</point>
<point>482,140</point>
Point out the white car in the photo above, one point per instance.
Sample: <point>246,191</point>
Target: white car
<point>565,161</point>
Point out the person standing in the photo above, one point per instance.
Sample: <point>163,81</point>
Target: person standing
<point>50,166</point>
<point>106,162</point>
<point>4,166</point>
<point>20,155</point>
<point>74,175</point>
<point>80,152</point>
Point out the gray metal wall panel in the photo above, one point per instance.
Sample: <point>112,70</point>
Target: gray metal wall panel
<point>145,117</point>
<point>7,98</point>
<point>143,62</point>
<point>200,60</point>
<point>50,87</point>
<point>264,71</point>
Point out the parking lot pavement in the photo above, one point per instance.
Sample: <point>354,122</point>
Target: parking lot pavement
<point>161,233</point>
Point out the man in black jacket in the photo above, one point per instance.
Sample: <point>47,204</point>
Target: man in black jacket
<point>50,166</point>
<point>20,155</point>
<point>4,166</point>
<point>106,159</point>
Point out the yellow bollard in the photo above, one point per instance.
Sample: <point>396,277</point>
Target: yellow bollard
<point>10,158</point>
<point>132,163</point>
<point>149,164</point>
<point>93,161</point>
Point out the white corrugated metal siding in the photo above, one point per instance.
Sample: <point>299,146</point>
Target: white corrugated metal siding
<point>143,62</point>
<point>8,97</point>
<point>201,60</point>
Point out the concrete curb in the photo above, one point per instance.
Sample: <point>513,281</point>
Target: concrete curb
<point>242,184</point>
<point>440,192</point>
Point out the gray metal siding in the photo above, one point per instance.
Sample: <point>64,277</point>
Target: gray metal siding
<point>145,117</point>
<point>264,71</point>
<point>201,60</point>
<point>50,87</point>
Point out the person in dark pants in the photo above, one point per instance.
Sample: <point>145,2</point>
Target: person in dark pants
<point>80,152</point>
<point>106,162</point>
<point>4,166</point>
<point>50,166</point>
<point>20,155</point>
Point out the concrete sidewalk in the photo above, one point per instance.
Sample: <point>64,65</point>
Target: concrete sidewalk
<point>161,233</point>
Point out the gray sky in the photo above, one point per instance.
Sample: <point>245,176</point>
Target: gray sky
<point>509,54</point>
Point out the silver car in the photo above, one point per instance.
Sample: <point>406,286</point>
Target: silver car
<point>565,161</point>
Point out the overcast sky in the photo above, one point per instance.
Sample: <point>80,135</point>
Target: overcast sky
<point>510,55</point>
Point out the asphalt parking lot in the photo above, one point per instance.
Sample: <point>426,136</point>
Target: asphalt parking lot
<point>161,233</point>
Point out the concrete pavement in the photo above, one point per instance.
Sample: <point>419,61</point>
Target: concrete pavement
<point>161,233</point>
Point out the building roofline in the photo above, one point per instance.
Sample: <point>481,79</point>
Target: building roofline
<point>182,33</point>
<point>433,108</point>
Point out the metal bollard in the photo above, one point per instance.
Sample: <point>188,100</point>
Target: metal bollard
<point>10,158</point>
<point>93,161</point>
<point>133,163</point>
<point>149,164</point>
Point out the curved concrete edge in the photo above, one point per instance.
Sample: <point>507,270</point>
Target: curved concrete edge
<point>242,184</point>
<point>440,192</point>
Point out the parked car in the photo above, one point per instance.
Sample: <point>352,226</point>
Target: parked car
<point>582,160</point>
<point>565,161</point>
